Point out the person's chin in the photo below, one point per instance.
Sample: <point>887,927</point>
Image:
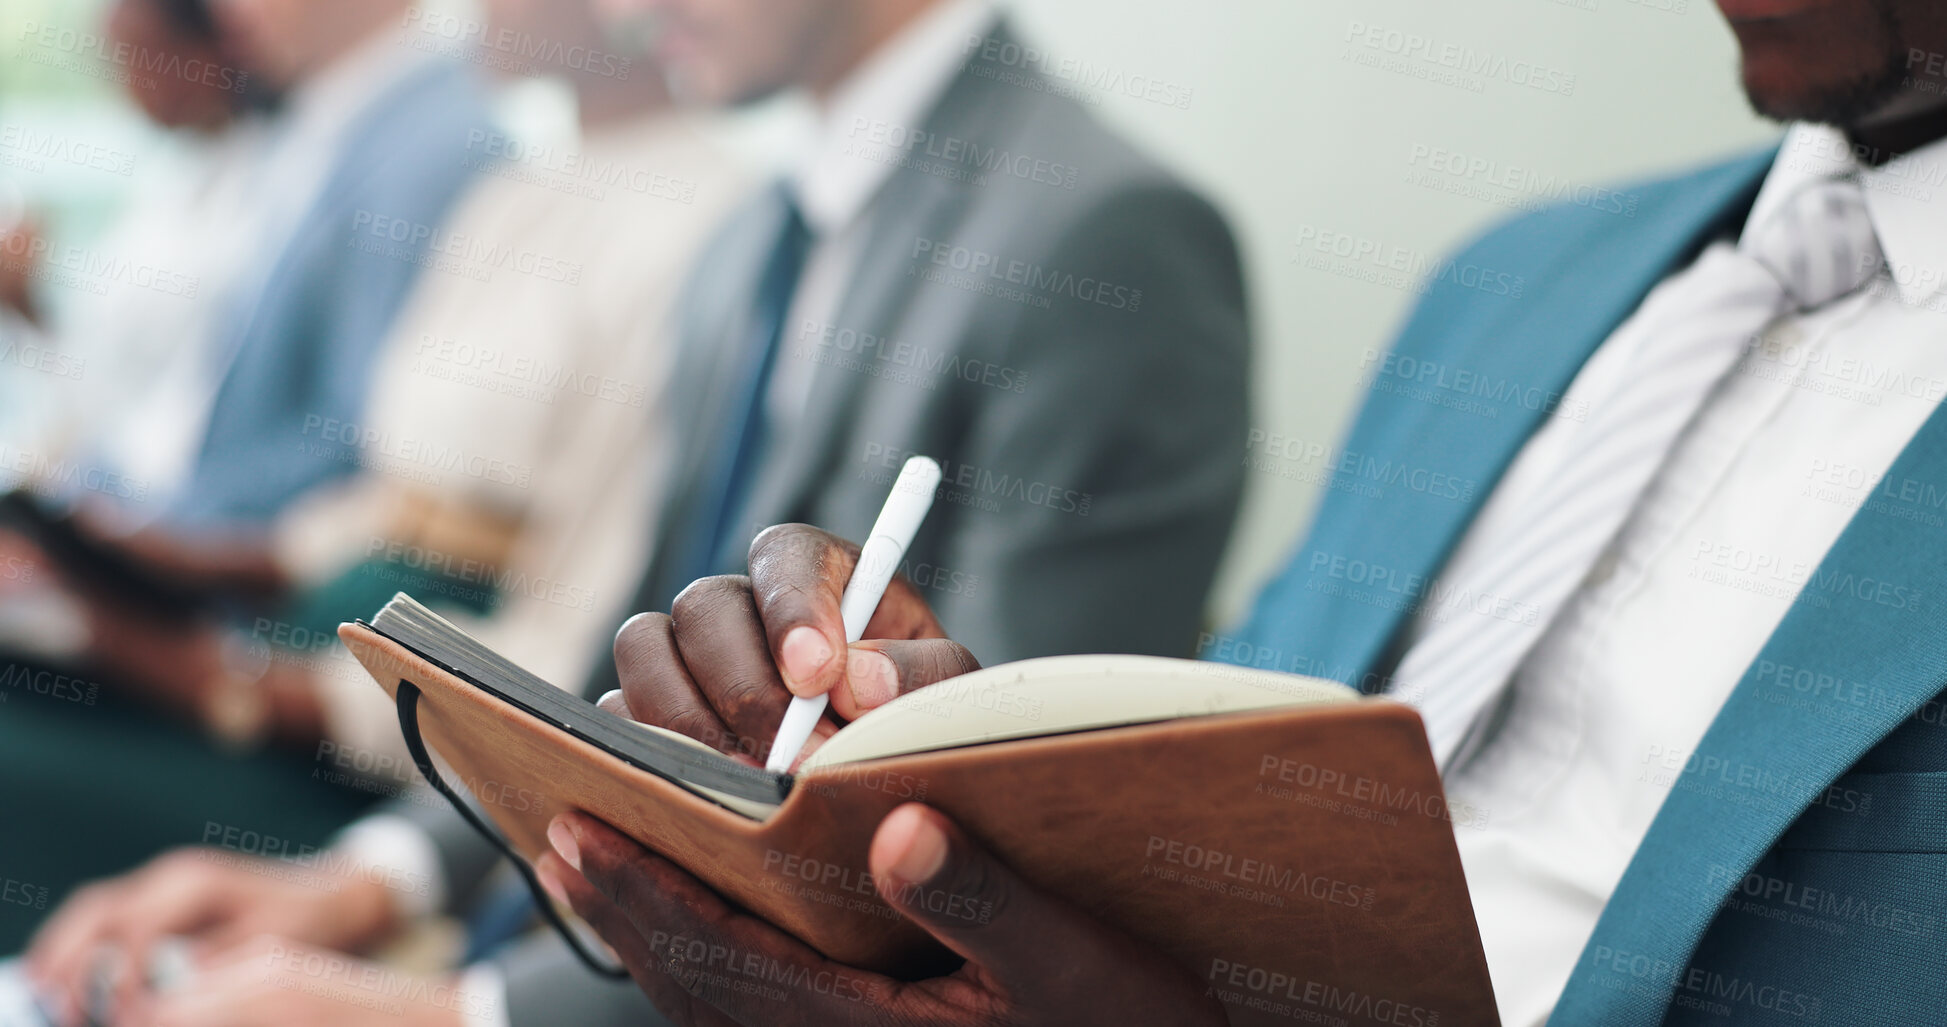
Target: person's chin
<point>1793,83</point>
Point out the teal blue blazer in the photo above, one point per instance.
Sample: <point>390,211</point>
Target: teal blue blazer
<point>1797,873</point>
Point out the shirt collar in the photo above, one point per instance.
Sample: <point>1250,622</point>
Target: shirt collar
<point>882,101</point>
<point>1911,227</point>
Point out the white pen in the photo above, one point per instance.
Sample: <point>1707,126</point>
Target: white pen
<point>912,496</point>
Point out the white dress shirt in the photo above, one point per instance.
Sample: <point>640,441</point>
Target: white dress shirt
<point>1603,712</point>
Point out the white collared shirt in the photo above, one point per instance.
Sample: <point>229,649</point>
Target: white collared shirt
<point>155,356</point>
<point>1606,708</point>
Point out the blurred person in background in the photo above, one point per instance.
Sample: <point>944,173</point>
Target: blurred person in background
<point>517,397</point>
<point>194,220</point>
<point>284,333</point>
<point>827,332</point>
<point>1685,674</point>
<point>552,373</point>
<point>225,423</point>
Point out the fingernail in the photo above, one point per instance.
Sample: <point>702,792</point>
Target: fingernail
<point>552,884</point>
<point>872,677</point>
<point>804,653</point>
<point>925,852</point>
<point>613,698</point>
<point>562,837</point>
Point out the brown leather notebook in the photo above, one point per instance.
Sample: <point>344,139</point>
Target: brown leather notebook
<point>1287,840</point>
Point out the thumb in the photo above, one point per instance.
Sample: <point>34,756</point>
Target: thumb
<point>929,870</point>
<point>878,671</point>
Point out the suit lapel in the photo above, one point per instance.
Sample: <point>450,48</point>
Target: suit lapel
<point>1496,367</point>
<point>1765,760</point>
<point>803,458</point>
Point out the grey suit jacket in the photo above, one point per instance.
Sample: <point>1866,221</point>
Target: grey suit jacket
<point>1057,320</point>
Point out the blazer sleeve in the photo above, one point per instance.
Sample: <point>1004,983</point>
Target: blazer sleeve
<point>546,986</point>
<point>465,858</point>
<point>1118,465</point>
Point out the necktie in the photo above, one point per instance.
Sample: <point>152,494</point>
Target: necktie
<point>707,529</point>
<point>1816,247</point>
<point>705,545</point>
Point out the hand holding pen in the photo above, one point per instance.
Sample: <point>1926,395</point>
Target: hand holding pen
<point>725,663</point>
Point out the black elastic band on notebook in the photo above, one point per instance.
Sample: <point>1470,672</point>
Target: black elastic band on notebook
<point>408,698</point>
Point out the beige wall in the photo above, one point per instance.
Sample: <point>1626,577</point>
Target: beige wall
<point>1300,123</point>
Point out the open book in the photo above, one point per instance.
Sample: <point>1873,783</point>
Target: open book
<point>1049,696</point>
<point>1286,838</point>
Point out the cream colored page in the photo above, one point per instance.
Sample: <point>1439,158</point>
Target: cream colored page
<point>1059,694</point>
